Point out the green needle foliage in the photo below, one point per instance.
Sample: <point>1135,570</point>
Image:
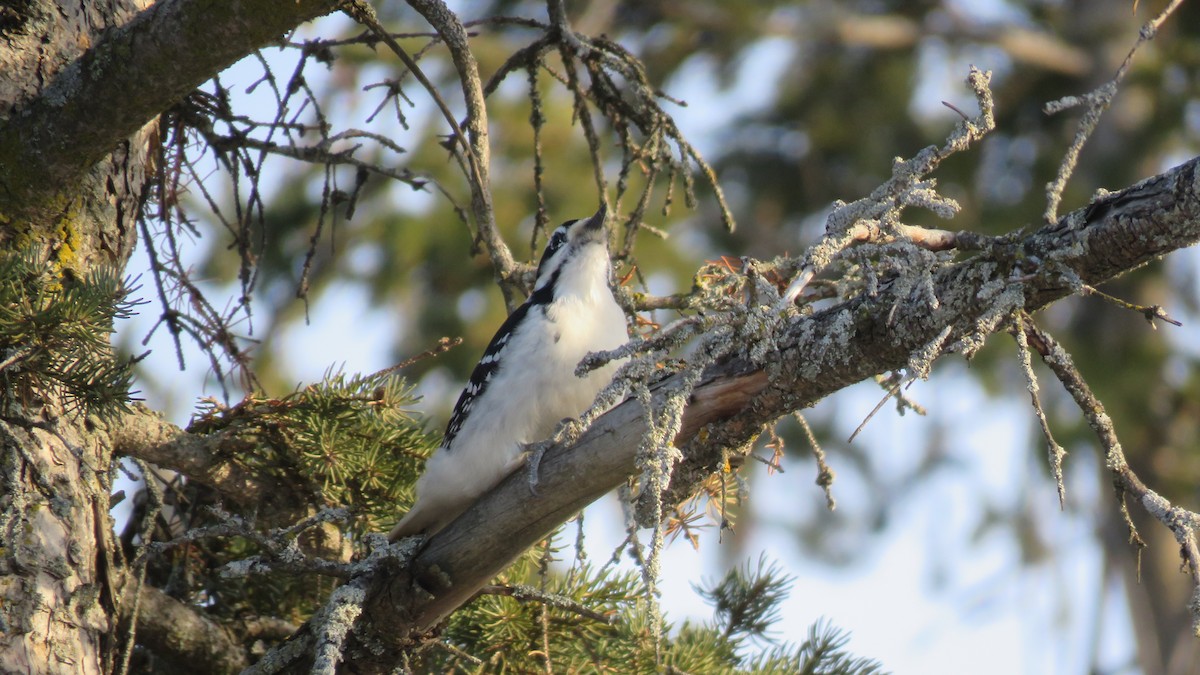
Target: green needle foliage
<point>596,620</point>
<point>823,652</point>
<point>54,336</point>
<point>348,441</point>
<point>746,601</point>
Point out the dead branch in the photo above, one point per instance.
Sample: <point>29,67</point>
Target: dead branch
<point>1095,103</point>
<point>1181,522</point>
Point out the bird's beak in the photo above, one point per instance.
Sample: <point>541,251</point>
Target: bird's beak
<point>596,222</point>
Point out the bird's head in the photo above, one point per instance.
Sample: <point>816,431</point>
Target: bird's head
<point>577,250</point>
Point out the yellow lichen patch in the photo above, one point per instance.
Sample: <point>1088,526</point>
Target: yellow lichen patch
<point>55,227</point>
<point>68,240</point>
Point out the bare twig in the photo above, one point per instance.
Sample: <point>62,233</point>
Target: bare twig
<point>443,345</point>
<point>1181,522</point>
<point>1097,101</point>
<point>1151,312</point>
<point>891,391</point>
<point>825,474</point>
<point>1056,451</point>
<point>476,151</point>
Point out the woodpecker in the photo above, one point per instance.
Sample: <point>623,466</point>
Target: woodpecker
<point>525,383</point>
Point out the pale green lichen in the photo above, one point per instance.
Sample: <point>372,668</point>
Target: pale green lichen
<point>920,362</point>
<point>334,624</point>
<point>1055,451</point>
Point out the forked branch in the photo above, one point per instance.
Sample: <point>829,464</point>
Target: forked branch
<point>1181,522</point>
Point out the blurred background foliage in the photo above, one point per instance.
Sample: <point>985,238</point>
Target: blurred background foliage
<point>796,104</point>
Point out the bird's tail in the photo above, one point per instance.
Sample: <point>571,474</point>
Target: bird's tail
<point>411,524</point>
<point>422,519</point>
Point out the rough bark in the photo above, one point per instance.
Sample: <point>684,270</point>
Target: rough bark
<point>56,594</point>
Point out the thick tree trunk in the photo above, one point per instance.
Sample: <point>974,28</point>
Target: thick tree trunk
<point>56,593</point>
<point>81,85</point>
<point>57,585</point>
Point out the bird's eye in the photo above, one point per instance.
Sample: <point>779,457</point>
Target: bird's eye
<point>557,241</point>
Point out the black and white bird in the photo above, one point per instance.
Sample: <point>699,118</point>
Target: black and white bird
<point>526,383</point>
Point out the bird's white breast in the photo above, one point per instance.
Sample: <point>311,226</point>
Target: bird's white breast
<point>527,397</point>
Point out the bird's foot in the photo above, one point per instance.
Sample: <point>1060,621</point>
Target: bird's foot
<point>533,461</point>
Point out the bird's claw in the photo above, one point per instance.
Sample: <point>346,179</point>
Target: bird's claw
<point>533,462</point>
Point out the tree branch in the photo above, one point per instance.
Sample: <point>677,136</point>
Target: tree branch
<point>182,635</point>
<point>1181,522</point>
<point>144,435</point>
<point>131,74</point>
<point>818,355</point>
<point>454,35</point>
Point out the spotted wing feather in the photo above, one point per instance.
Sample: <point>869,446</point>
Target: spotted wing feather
<point>489,363</point>
<point>484,371</point>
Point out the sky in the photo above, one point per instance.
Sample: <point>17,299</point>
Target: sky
<point>919,599</point>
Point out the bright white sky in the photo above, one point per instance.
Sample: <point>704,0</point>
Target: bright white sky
<point>920,599</point>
